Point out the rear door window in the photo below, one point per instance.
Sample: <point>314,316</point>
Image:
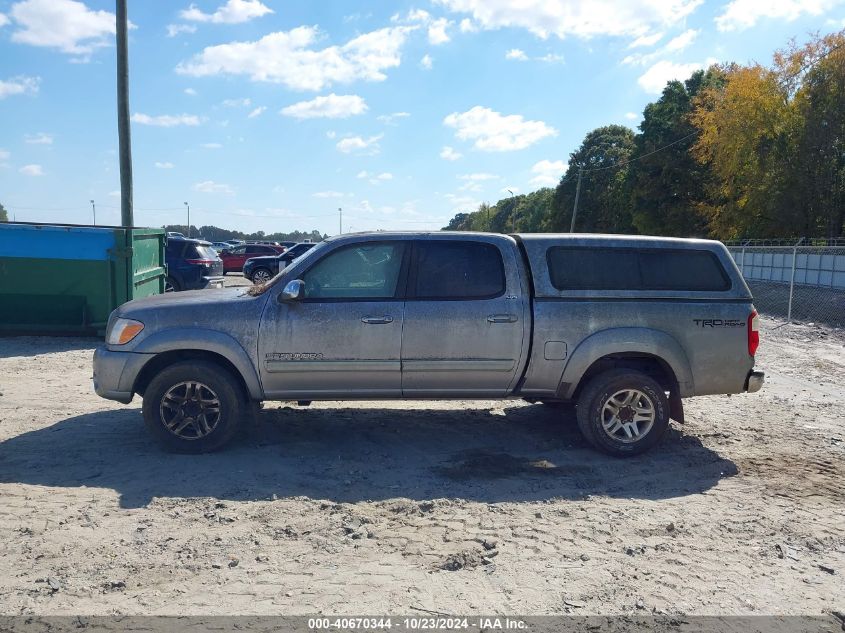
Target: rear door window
<point>589,268</point>
<point>199,251</point>
<point>457,270</point>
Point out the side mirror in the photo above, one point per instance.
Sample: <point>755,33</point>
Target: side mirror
<point>294,291</point>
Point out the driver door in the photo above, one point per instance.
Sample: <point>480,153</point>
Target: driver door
<point>344,337</point>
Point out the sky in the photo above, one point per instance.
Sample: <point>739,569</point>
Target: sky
<point>273,114</point>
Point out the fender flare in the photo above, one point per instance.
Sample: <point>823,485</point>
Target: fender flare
<point>633,340</point>
<point>184,339</point>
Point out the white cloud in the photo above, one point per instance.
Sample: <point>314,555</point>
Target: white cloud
<point>477,177</point>
<point>547,173</point>
<point>331,134</point>
<point>164,165</point>
<point>328,194</point>
<point>682,41</point>
<point>67,25</point>
<point>362,174</point>
<point>5,155</point>
<point>115,193</point>
<point>516,54</point>
<point>32,170</point>
<point>468,26</point>
<point>632,116</point>
<point>581,18</point>
<point>472,182</point>
<point>646,40</point>
<point>257,112</point>
<point>175,29</point>
<point>551,58</point>
<point>3,19</point>
<point>166,120</point>
<point>358,144</point>
<point>426,62</point>
<point>211,145</point>
<point>390,119</point>
<point>655,78</point>
<point>739,15</point>
<point>209,186</point>
<point>190,92</point>
<point>288,58</point>
<point>237,103</point>
<point>38,139</point>
<point>233,12</point>
<point>380,178</point>
<point>19,86</point>
<point>462,203</point>
<point>329,107</point>
<point>494,132</point>
<point>437,31</point>
<point>448,153</point>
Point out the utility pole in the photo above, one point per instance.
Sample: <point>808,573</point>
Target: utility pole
<point>340,218</point>
<point>94,212</point>
<point>189,218</point>
<point>123,134</point>
<point>577,195</point>
<point>513,213</point>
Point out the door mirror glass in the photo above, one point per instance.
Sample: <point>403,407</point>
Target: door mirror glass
<point>294,291</point>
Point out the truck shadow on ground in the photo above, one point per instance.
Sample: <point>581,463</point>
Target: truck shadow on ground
<point>514,453</point>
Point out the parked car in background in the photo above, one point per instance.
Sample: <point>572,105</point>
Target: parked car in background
<point>174,234</point>
<point>219,246</point>
<point>262,269</point>
<point>191,265</point>
<point>235,258</point>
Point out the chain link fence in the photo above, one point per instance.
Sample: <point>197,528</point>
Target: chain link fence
<point>804,281</point>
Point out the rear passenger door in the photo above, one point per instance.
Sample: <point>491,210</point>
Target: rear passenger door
<point>464,320</point>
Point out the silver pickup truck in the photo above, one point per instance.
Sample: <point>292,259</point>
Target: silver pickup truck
<point>624,327</point>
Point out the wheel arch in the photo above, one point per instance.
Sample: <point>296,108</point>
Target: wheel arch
<point>173,346</point>
<point>651,351</point>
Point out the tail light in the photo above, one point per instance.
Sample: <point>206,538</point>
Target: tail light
<point>207,262</point>
<point>753,333</point>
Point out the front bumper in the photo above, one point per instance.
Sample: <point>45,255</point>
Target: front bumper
<point>115,373</point>
<point>754,382</point>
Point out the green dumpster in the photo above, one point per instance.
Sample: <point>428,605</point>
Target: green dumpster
<point>66,279</point>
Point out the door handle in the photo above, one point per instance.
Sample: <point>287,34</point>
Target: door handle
<point>377,320</point>
<point>501,318</point>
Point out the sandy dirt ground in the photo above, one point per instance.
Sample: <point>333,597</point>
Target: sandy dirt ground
<point>417,507</point>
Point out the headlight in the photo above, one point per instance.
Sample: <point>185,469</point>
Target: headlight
<point>123,331</point>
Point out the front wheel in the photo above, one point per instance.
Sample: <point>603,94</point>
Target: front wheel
<point>261,276</point>
<point>193,407</point>
<point>623,412</point>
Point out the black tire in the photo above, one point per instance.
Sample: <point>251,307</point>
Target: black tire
<point>170,285</point>
<point>257,271</point>
<point>233,409</point>
<point>591,412</point>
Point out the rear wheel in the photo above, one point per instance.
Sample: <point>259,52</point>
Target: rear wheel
<point>261,276</point>
<point>170,285</point>
<point>623,412</point>
<point>194,407</point>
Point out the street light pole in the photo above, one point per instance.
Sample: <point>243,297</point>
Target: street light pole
<point>189,218</point>
<point>340,218</point>
<point>94,212</point>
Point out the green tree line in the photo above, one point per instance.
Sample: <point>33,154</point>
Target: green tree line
<point>735,151</point>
